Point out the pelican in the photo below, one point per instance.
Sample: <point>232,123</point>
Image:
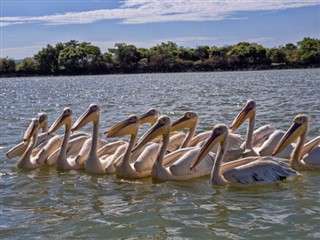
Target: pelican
<point>123,168</point>
<point>190,121</point>
<point>92,163</point>
<point>66,155</point>
<point>162,173</point>
<point>30,139</point>
<point>246,171</point>
<point>271,135</point>
<point>20,148</point>
<point>311,151</point>
<point>151,117</point>
<point>176,137</point>
<point>298,130</point>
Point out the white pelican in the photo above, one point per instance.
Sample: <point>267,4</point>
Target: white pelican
<point>159,171</point>
<point>311,151</point>
<point>246,171</point>
<point>20,148</point>
<point>30,138</point>
<point>267,133</point>
<point>66,154</point>
<point>298,130</point>
<point>176,137</point>
<point>92,163</point>
<point>137,164</point>
<point>124,168</point>
<point>190,121</point>
<point>151,117</point>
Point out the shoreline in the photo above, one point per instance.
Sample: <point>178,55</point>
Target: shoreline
<point>258,68</point>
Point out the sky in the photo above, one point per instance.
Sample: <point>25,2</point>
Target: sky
<point>29,25</point>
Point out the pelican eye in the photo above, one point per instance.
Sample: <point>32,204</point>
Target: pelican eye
<point>152,111</point>
<point>133,119</point>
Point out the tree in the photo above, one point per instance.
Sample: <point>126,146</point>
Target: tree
<point>75,57</point>
<point>309,51</point>
<point>248,53</point>
<point>28,65</point>
<point>126,56</point>
<point>7,65</point>
<point>276,55</point>
<point>48,58</point>
<point>202,52</point>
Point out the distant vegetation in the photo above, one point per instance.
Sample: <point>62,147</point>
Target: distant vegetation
<point>75,58</point>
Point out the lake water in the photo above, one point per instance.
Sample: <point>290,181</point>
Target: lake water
<point>47,204</point>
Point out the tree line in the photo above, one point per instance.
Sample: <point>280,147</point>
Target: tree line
<point>75,58</point>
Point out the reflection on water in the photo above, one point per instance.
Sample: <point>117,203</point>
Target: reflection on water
<point>47,204</point>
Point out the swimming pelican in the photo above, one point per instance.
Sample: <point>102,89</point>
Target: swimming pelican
<point>159,171</point>
<point>190,121</point>
<point>151,117</point>
<point>250,170</point>
<point>92,163</point>
<point>66,155</point>
<point>30,138</point>
<point>298,130</point>
<point>311,151</point>
<point>20,148</point>
<point>125,169</point>
<point>271,135</point>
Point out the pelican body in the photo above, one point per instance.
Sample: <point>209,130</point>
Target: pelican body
<point>298,130</point>
<point>246,171</point>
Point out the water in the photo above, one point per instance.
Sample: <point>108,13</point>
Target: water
<point>47,204</point>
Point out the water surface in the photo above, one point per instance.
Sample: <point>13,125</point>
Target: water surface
<point>47,204</point>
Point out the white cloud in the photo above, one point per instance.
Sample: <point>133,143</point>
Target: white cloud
<point>150,11</point>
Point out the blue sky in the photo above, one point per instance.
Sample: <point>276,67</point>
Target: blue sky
<point>27,26</point>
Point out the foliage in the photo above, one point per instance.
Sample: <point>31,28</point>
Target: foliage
<point>7,65</point>
<point>75,57</point>
<point>28,65</point>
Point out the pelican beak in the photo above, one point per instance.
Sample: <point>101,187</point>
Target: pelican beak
<point>126,127</point>
<point>149,117</point>
<point>181,123</point>
<point>58,123</point>
<point>31,130</point>
<point>293,133</point>
<point>241,117</point>
<point>156,130</point>
<point>88,116</point>
<point>213,140</point>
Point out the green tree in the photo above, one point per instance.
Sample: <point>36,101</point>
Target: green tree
<point>202,52</point>
<point>48,58</point>
<point>276,55</point>
<point>83,57</point>
<point>309,51</point>
<point>126,56</point>
<point>291,52</point>
<point>28,65</point>
<point>7,65</point>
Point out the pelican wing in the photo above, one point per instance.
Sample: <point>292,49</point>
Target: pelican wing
<point>258,172</point>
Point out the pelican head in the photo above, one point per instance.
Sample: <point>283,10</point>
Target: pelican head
<point>43,121</point>
<point>161,127</point>
<point>31,130</point>
<point>188,120</point>
<point>298,128</point>
<point>151,116</point>
<point>91,114</point>
<point>248,111</point>
<point>218,135</point>
<point>126,127</point>
<point>64,118</point>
